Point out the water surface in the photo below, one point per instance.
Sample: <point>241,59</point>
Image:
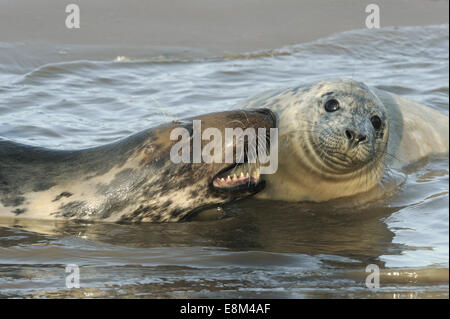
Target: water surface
<point>68,96</point>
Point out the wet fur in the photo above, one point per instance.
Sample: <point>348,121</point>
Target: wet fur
<point>308,135</point>
<point>132,180</point>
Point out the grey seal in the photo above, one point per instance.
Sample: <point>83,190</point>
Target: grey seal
<point>340,138</point>
<point>131,180</point>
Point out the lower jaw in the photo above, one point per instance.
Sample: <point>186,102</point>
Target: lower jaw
<point>334,169</point>
<point>341,167</point>
<point>242,189</point>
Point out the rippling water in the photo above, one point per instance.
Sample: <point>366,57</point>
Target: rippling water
<point>66,96</point>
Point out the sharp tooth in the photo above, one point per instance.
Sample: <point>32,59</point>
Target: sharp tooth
<point>222,179</point>
<point>228,178</point>
<point>242,175</point>
<point>247,175</point>
<point>234,176</point>
<point>254,175</point>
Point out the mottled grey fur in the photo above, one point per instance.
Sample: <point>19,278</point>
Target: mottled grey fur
<point>146,185</point>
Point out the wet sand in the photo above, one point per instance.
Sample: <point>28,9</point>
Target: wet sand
<point>213,25</point>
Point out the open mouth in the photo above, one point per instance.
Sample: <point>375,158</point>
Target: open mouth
<point>238,178</point>
<point>245,177</point>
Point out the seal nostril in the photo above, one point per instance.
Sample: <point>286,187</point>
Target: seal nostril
<point>355,136</point>
<point>268,113</point>
<point>349,134</point>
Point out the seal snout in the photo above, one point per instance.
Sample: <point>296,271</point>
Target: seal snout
<point>355,137</point>
<point>269,114</point>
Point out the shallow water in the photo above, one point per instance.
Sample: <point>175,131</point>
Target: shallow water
<point>66,96</point>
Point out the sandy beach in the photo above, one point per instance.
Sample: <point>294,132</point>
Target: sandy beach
<point>213,25</point>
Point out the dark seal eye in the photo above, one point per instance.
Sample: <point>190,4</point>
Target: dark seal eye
<point>332,105</point>
<point>376,122</point>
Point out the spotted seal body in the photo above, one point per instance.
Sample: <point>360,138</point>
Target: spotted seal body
<point>340,138</point>
<point>131,180</point>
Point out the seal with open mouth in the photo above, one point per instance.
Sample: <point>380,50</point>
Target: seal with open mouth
<point>131,180</point>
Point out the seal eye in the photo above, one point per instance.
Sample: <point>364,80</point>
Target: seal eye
<point>376,122</point>
<point>332,105</point>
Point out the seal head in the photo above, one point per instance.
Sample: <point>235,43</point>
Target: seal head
<point>333,140</point>
<point>346,132</point>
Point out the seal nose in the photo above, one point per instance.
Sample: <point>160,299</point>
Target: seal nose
<point>268,113</point>
<point>355,137</point>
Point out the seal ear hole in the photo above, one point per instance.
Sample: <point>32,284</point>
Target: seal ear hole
<point>332,105</point>
<point>376,122</point>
